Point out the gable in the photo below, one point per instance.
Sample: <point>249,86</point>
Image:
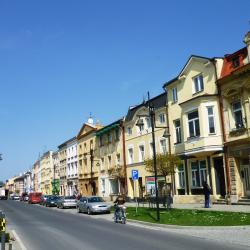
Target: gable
<point>85,130</point>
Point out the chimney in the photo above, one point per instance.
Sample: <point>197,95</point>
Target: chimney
<point>247,42</point>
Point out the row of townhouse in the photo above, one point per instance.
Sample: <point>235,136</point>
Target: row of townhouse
<point>203,116</point>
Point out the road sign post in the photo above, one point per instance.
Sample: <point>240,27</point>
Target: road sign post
<point>135,177</point>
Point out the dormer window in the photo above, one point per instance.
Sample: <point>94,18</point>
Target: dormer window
<point>198,83</point>
<point>236,62</point>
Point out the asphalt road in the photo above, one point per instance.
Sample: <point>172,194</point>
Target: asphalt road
<point>45,228</point>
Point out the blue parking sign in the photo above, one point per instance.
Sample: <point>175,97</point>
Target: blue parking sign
<point>135,174</point>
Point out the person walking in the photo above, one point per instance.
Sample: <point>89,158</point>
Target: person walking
<point>207,192</point>
<point>164,194</point>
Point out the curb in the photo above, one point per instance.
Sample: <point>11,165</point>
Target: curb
<point>186,227</point>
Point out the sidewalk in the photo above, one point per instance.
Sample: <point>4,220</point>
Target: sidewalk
<point>199,206</point>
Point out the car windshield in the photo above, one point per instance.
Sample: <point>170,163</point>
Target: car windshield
<point>95,199</point>
<point>69,198</point>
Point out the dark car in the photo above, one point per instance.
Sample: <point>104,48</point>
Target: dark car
<point>51,201</point>
<point>43,199</point>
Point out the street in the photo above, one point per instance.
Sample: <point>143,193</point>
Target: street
<point>44,228</point>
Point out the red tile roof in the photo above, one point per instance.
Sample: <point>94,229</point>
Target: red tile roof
<point>228,67</point>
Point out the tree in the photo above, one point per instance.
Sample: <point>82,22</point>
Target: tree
<point>165,164</point>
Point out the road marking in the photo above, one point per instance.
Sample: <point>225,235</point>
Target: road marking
<point>144,226</point>
<point>19,240</point>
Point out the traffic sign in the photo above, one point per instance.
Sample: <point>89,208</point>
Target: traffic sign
<point>135,174</point>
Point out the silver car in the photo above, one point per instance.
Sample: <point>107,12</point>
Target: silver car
<point>66,201</point>
<point>93,204</point>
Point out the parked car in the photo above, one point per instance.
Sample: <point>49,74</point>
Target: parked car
<point>66,201</point>
<point>16,198</point>
<point>43,199</point>
<point>24,197</point>
<point>93,204</point>
<point>51,201</point>
<point>34,198</point>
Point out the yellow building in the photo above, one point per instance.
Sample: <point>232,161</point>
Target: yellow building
<point>110,150</point>
<point>139,145</point>
<point>88,172</point>
<point>195,129</point>
<point>46,173</point>
<point>10,185</point>
<point>234,85</point>
<point>62,158</point>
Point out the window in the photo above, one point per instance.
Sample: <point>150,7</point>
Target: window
<point>117,134</point>
<point>211,125</point>
<point>162,118</point>
<point>148,123</point>
<point>130,156</point>
<point>174,94</point>
<point>142,153</point>
<point>103,185</point>
<point>177,125</point>
<point>129,130</point>
<point>198,83</point>
<point>109,161</point>
<point>181,176</point>
<point>199,173</point>
<point>141,126</point>
<point>109,138</point>
<point>118,159</point>
<point>101,141</point>
<point>237,113</point>
<point>193,124</point>
<point>151,148</point>
<point>163,146</point>
<point>102,163</point>
<point>236,62</point>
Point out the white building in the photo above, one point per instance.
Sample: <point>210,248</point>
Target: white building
<point>72,168</point>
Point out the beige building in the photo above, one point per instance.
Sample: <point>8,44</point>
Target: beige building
<point>10,185</point>
<point>88,172</point>
<point>110,150</point>
<point>35,176</point>
<point>234,85</point>
<point>195,129</point>
<point>19,184</point>
<point>62,157</point>
<point>139,145</point>
<point>56,170</point>
<point>46,172</point>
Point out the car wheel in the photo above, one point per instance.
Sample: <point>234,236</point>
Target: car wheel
<point>78,210</point>
<point>89,211</point>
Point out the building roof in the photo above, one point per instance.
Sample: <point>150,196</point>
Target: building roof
<point>228,63</point>
<point>158,102</point>
<point>184,67</point>
<point>109,127</point>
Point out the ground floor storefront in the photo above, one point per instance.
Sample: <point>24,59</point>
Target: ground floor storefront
<point>239,167</point>
<point>88,186</point>
<point>196,169</point>
<point>110,187</point>
<point>72,187</point>
<point>63,186</point>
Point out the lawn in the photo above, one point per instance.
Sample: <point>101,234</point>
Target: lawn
<point>189,217</point>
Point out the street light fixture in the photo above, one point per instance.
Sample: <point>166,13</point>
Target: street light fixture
<point>91,153</point>
<point>140,123</point>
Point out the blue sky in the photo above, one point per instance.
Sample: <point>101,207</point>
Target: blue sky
<point>60,60</point>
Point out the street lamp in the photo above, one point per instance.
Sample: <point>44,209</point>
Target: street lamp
<point>140,123</point>
<point>91,153</point>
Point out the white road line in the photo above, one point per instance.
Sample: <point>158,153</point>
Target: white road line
<point>144,226</point>
<point>19,240</point>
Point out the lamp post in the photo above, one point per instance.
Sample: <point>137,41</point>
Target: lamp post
<point>151,115</point>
